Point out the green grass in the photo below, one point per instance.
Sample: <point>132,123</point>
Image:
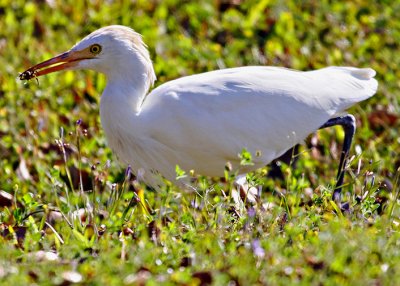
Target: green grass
<point>55,168</point>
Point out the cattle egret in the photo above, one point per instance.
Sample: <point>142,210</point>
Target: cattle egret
<point>203,121</point>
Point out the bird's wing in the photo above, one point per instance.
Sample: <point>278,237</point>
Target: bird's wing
<point>211,117</point>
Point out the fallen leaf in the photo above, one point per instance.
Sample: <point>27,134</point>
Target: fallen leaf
<point>204,277</point>
<point>381,119</point>
<point>6,199</point>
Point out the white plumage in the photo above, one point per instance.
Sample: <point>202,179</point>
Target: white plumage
<point>203,121</point>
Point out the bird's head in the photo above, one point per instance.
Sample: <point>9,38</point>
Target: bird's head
<point>112,50</point>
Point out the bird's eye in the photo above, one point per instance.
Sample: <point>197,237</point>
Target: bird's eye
<point>95,49</point>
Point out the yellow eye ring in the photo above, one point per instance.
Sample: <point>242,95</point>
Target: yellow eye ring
<point>95,49</point>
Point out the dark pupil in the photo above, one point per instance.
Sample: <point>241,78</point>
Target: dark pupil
<point>95,49</point>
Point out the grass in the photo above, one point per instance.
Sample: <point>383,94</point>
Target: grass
<point>70,213</point>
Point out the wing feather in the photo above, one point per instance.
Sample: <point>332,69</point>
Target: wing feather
<point>212,116</point>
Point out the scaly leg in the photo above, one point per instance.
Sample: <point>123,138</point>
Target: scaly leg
<point>348,123</point>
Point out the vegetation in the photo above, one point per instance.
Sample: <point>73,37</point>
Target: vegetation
<point>70,213</point>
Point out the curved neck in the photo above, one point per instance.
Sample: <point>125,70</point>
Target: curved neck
<point>129,80</point>
<point>120,106</point>
<point>124,93</point>
<point>122,99</point>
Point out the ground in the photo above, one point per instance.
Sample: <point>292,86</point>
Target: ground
<point>70,213</point>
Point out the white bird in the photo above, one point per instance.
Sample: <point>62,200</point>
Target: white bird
<point>203,121</point>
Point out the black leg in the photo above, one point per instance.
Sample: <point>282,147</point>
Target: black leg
<point>348,122</point>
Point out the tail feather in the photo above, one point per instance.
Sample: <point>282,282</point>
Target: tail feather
<point>366,76</point>
<point>363,79</point>
<point>348,85</point>
<point>366,73</point>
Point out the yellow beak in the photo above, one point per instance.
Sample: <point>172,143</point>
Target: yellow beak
<point>61,62</point>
